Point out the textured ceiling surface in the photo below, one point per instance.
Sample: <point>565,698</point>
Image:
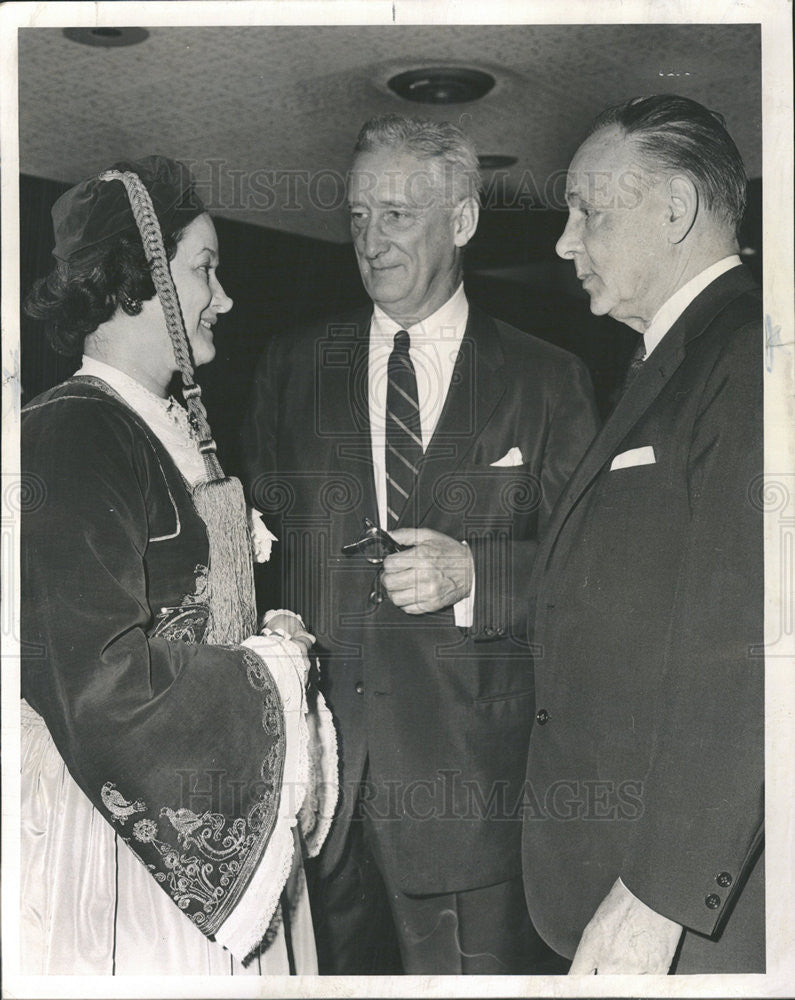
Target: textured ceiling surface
<point>267,116</point>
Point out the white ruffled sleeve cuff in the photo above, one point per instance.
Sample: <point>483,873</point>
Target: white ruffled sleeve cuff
<point>248,923</point>
<point>318,808</point>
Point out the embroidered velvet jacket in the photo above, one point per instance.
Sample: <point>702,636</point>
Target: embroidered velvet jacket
<point>179,745</point>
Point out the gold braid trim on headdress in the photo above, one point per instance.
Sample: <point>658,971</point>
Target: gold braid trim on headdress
<point>219,499</point>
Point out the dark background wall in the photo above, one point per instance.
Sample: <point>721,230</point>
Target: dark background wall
<point>279,281</point>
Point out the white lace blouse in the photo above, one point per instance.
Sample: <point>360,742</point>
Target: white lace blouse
<point>168,420</point>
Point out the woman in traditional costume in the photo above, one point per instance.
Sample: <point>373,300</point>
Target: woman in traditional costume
<point>174,764</point>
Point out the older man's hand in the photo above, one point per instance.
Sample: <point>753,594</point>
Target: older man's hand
<point>626,937</point>
<point>435,573</point>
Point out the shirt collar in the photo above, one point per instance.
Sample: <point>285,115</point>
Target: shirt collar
<point>670,311</point>
<point>452,316</point>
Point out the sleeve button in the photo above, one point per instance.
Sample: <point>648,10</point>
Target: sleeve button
<point>542,716</point>
<point>724,880</point>
<point>712,901</point>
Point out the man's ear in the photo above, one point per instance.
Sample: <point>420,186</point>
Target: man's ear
<point>465,220</point>
<point>682,207</point>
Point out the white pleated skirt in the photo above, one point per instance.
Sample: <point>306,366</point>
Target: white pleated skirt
<point>88,905</point>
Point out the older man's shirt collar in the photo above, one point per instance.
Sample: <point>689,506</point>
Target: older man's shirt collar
<point>670,311</point>
<point>448,320</point>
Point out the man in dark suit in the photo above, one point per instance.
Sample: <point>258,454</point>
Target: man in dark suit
<point>456,433</point>
<point>643,827</point>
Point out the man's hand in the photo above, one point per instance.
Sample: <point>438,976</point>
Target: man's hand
<point>436,573</point>
<point>626,937</point>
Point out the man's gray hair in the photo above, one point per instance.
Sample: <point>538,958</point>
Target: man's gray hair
<point>677,133</point>
<point>427,140</point>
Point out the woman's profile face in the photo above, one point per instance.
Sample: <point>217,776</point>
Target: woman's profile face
<point>201,295</point>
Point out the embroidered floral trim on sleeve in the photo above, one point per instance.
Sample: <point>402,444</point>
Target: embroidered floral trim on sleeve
<point>186,622</point>
<point>205,861</point>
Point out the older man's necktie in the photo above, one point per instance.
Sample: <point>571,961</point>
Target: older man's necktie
<point>403,433</point>
<point>636,362</point>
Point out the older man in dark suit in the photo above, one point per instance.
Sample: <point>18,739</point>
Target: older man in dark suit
<point>455,432</point>
<point>643,834</point>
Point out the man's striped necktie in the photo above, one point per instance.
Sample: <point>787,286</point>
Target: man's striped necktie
<point>403,433</point>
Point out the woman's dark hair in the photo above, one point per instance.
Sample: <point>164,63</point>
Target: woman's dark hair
<point>73,301</point>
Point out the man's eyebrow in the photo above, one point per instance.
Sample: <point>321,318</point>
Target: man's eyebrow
<point>386,203</point>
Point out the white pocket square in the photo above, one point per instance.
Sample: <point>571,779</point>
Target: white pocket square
<point>635,456</point>
<point>513,457</point>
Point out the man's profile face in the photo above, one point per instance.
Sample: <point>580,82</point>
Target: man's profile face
<point>403,230</point>
<point>615,234</point>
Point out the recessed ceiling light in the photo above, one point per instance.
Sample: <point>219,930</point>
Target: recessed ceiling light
<point>442,85</point>
<point>107,37</point>
<point>493,161</point>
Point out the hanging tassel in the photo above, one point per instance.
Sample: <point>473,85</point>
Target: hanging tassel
<point>230,579</point>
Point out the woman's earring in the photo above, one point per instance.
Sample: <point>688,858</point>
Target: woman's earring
<point>131,306</point>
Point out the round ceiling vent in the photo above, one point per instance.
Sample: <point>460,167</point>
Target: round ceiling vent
<point>107,37</point>
<point>442,85</point>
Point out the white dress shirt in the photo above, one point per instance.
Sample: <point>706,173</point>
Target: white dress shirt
<point>670,311</point>
<point>434,348</point>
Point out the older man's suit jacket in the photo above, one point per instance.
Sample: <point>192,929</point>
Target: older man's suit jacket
<point>442,714</point>
<point>648,762</point>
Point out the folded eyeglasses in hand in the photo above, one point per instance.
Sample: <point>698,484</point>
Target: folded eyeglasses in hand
<point>374,544</point>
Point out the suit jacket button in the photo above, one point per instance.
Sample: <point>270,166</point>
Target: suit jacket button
<point>724,880</point>
<point>542,716</point>
<point>488,630</point>
<point>360,687</point>
<point>712,901</point>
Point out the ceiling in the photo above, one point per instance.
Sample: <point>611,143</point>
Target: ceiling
<point>267,116</point>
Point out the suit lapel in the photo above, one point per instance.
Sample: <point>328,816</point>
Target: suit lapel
<point>353,446</point>
<point>647,386</point>
<point>475,390</point>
